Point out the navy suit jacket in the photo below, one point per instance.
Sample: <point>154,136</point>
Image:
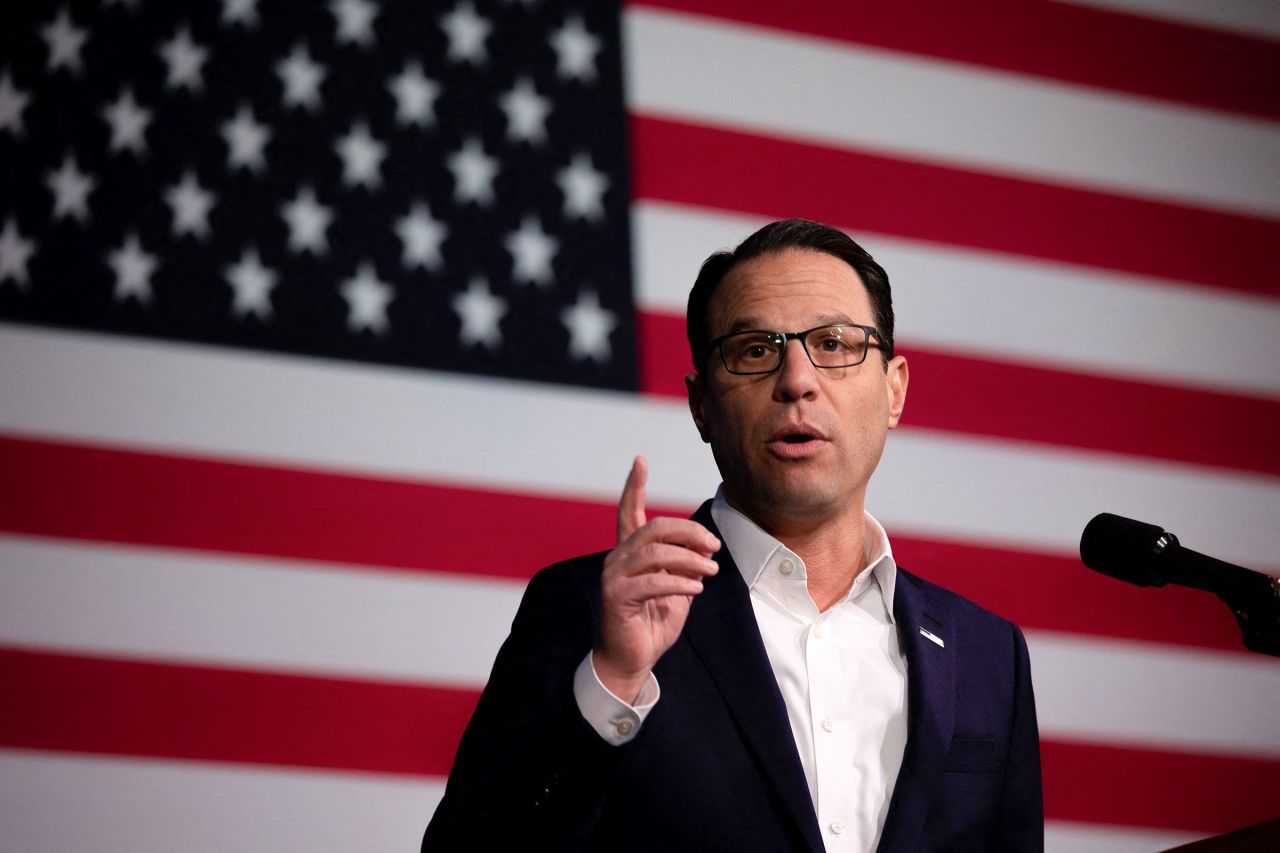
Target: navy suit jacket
<point>714,766</point>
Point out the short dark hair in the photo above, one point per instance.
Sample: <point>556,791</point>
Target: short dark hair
<point>777,237</point>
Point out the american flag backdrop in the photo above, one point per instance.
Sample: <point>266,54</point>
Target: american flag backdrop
<point>324,325</point>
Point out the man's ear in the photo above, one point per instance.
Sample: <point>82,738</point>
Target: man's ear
<point>697,388</point>
<point>895,381</point>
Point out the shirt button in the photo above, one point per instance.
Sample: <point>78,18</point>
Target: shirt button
<point>786,567</point>
<point>623,727</point>
<point>836,826</point>
<point>817,632</point>
<point>828,724</point>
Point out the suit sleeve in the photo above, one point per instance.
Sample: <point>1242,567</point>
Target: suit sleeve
<point>529,767</point>
<point>1022,804</point>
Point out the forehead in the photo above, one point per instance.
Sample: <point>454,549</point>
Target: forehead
<point>789,290</point>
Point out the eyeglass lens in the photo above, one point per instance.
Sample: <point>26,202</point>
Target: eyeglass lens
<point>761,352</point>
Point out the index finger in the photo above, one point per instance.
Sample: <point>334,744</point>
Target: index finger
<point>631,516</point>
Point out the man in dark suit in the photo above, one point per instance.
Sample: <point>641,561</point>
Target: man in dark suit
<point>762,676</point>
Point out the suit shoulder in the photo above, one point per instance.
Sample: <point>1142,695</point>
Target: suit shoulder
<point>576,579</point>
<point>561,598</point>
<point>955,603</point>
<point>574,570</point>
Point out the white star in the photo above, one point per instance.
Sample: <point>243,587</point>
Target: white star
<point>128,124</point>
<point>245,140</point>
<point>15,251</point>
<point>133,268</point>
<point>576,51</point>
<point>191,204</point>
<point>589,328</point>
<point>583,188</point>
<point>302,78</point>
<point>240,12</point>
<point>70,188</point>
<point>531,251</point>
<point>480,312</point>
<point>362,157</point>
<point>307,220</point>
<point>466,31</point>
<point>422,235</point>
<point>355,20</point>
<point>185,58</point>
<point>65,41</point>
<point>252,283</point>
<point>367,300</point>
<point>526,112</point>
<point>473,173</point>
<point>12,102</point>
<point>415,96</point>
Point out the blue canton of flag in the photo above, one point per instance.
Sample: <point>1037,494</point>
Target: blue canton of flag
<point>430,184</point>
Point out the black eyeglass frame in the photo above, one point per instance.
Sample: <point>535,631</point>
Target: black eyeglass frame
<point>787,337</point>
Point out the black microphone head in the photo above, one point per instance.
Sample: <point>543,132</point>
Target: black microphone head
<point>1126,549</point>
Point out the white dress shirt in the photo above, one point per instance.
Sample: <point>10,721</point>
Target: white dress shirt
<point>841,672</point>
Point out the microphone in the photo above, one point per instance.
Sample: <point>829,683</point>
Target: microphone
<point>1147,555</point>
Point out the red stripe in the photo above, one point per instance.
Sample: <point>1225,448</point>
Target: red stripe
<point>110,706</point>
<point>117,496</point>
<point>1058,41</point>
<point>121,496</point>
<point>77,704</point>
<point>1160,789</point>
<point>1057,593</point>
<point>765,176</point>
<point>1056,407</point>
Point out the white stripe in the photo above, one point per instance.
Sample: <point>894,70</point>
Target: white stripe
<point>259,614</point>
<point>252,613</point>
<point>984,304</point>
<point>55,803</point>
<point>988,490</point>
<point>811,89</point>
<point>1259,18</point>
<point>1062,836</point>
<point>1148,695</point>
<point>211,402</point>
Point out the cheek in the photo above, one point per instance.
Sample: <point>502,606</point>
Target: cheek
<point>727,425</point>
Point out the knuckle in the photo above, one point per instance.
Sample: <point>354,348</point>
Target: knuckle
<point>650,551</point>
<point>665,524</point>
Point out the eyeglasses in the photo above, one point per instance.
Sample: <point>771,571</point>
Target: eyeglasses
<point>761,351</point>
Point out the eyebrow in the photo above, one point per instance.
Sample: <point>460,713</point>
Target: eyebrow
<point>751,323</point>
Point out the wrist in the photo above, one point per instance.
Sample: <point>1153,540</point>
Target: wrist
<point>623,684</point>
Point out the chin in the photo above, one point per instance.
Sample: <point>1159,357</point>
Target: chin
<point>796,501</point>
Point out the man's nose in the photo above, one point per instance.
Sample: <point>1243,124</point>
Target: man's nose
<point>796,378</point>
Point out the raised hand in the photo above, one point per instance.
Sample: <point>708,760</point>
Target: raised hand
<point>649,581</point>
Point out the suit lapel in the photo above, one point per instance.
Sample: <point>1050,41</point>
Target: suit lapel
<point>930,710</point>
<point>722,631</point>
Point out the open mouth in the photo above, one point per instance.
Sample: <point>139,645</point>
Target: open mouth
<point>796,443</point>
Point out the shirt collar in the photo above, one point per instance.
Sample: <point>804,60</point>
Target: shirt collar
<point>756,552</point>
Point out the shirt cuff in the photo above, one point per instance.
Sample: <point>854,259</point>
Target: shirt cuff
<point>613,719</point>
